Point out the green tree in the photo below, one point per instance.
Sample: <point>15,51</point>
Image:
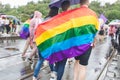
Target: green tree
<point>113,14</point>
<point>111,11</point>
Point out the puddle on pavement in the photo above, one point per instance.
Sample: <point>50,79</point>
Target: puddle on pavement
<point>12,49</point>
<point>26,70</point>
<point>97,69</point>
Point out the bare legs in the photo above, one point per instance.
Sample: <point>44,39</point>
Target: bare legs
<point>26,47</point>
<point>34,51</point>
<point>33,47</point>
<point>79,71</point>
<point>76,68</point>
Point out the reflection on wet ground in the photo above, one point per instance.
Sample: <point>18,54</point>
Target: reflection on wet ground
<point>14,67</point>
<point>11,48</point>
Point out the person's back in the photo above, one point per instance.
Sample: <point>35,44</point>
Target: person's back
<point>53,11</point>
<point>71,34</point>
<point>118,33</point>
<point>0,25</point>
<point>82,60</point>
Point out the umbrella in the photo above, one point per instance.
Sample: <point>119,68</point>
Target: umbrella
<point>115,22</point>
<point>57,3</point>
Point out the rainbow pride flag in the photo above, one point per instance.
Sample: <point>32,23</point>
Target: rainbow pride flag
<point>66,35</point>
<point>24,33</point>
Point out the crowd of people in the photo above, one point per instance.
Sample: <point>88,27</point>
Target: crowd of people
<point>57,69</point>
<point>112,31</point>
<point>7,25</point>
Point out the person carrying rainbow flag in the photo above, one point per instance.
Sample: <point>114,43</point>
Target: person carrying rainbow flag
<point>69,34</point>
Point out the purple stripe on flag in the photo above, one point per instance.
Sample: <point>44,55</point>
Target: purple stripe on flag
<point>72,52</point>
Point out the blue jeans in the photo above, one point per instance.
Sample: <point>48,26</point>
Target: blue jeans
<point>39,64</point>
<point>38,67</point>
<point>52,67</point>
<point>60,66</point>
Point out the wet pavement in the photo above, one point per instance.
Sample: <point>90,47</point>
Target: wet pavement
<point>113,69</point>
<point>9,48</point>
<point>13,67</point>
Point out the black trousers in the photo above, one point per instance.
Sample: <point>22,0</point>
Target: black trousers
<point>7,28</point>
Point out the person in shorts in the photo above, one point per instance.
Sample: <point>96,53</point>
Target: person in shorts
<point>81,61</point>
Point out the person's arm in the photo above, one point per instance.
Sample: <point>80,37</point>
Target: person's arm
<point>94,42</point>
<point>31,28</point>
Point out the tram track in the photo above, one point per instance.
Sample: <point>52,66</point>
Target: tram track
<point>103,73</point>
<point>30,74</point>
<point>101,76</point>
<point>9,56</point>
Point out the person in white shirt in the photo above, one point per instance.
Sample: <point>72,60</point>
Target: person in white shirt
<point>7,22</point>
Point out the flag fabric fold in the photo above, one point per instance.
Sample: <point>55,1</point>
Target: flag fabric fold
<point>66,35</point>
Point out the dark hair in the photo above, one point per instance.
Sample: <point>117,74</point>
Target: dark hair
<point>31,16</point>
<point>65,5</point>
<point>53,11</point>
<point>83,1</point>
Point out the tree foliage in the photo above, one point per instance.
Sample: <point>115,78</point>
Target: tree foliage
<point>111,11</point>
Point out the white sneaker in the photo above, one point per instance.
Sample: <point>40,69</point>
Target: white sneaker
<point>34,78</point>
<point>53,76</point>
<point>45,63</point>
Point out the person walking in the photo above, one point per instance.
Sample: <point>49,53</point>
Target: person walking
<point>24,36</point>
<point>82,60</point>
<point>34,21</point>
<point>53,11</point>
<point>7,22</point>
<point>37,19</point>
<point>101,34</point>
<point>69,34</point>
<point>118,39</point>
<point>2,24</point>
<point>60,65</point>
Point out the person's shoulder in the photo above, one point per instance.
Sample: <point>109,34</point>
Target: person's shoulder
<point>92,10</point>
<point>32,20</point>
<point>46,18</point>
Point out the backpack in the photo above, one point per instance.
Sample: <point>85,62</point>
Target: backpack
<point>101,32</point>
